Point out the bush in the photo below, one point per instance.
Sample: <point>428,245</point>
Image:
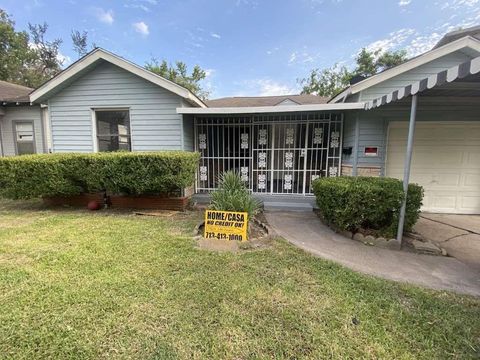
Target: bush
<point>232,195</point>
<point>30,176</point>
<point>353,203</point>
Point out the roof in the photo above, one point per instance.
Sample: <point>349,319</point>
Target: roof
<point>86,62</point>
<point>248,101</point>
<point>473,32</point>
<point>272,109</point>
<point>467,43</point>
<point>460,71</point>
<point>14,93</point>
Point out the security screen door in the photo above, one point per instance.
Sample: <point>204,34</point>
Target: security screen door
<point>273,154</point>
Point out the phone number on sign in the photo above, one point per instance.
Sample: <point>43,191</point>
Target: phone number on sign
<point>223,236</point>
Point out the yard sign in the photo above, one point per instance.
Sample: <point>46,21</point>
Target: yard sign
<point>226,225</point>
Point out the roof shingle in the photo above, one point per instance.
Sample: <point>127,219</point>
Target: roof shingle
<point>248,101</point>
<point>14,93</point>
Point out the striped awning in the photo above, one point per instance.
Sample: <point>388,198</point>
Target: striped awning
<point>446,76</point>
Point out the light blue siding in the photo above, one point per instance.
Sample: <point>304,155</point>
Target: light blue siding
<point>413,75</point>
<point>154,123</point>
<point>372,133</point>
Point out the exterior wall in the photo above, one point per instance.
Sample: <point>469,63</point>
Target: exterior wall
<point>363,170</point>
<point>413,75</point>
<point>374,128</point>
<point>154,123</point>
<point>188,131</point>
<point>372,133</point>
<point>19,113</point>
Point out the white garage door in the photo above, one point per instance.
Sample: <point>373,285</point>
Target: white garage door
<point>446,162</point>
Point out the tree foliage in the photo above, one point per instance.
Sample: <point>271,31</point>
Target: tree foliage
<point>80,42</point>
<point>330,81</point>
<point>46,61</point>
<point>27,58</point>
<point>14,51</point>
<point>178,73</point>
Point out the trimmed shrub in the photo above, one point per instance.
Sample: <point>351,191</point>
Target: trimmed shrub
<point>370,203</point>
<point>31,176</point>
<point>232,195</point>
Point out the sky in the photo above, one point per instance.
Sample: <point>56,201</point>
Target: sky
<point>248,47</point>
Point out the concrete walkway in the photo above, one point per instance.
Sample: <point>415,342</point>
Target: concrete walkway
<point>458,234</point>
<point>305,230</point>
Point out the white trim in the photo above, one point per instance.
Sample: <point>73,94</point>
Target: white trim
<point>94,131</point>
<point>272,109</point>
<point>94,111</point>
<point>98,54</point>
<point>452,74</point>
<point>465,42</point>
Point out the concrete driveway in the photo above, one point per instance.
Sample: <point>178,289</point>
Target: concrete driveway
<point>305,230</point>
<point>458,234</point>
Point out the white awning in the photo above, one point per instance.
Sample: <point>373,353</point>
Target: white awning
<point>272,109</point>
<point>446,76</point>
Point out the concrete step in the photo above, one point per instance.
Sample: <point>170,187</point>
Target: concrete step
<point>287,206</point>
<point>272,202</point>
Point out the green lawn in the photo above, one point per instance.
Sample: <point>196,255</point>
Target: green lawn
<point>75,284</point>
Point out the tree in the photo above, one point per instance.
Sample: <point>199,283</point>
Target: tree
<point>326,82</point>
<point>27,58</point>
<point>15,52</point>
<point>47,62</point>
<point>80,42</point>
<point>179,75</point>
<point>330,81</point>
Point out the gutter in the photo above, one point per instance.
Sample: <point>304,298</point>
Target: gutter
<point>273,109</point>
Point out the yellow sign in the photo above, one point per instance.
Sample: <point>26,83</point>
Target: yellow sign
<point>226,225</point>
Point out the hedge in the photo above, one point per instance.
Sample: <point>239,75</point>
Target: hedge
<point>370,203</point>
<point>43,175</point>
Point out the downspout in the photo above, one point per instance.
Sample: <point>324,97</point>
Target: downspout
<point>406,170</point>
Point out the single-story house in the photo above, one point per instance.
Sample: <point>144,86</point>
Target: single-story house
<point>280,144</point>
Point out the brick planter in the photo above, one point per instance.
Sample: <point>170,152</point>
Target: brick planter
<point>76,200</point>
<point>157,202</point>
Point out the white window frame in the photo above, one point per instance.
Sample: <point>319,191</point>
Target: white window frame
<point>14,128</point>
<point>93,112</point>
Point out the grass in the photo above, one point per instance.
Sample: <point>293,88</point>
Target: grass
<point>75,284</point>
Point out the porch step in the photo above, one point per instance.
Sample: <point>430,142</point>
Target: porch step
<point>287,206</point>
<point>272,202</point>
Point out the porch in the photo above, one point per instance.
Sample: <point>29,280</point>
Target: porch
<point>275,154</point>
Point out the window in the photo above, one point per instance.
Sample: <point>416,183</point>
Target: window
<point>113,130</point>
<point>24,137</point>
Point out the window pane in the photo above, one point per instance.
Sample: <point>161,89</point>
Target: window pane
<point>25,148</point>
<point>113,143</point>
<point>113,123</point>
<point>113,130</point>
<point>24,131</point>
<point>24,137</point>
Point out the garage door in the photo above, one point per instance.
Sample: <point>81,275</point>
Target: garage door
<point>446,162</point>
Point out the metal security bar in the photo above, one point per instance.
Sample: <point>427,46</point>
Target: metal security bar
<point>274,154</point>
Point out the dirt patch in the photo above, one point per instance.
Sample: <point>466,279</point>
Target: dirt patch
<point>15,259</point>
<point>10,222</point>
<point>218,245</point>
